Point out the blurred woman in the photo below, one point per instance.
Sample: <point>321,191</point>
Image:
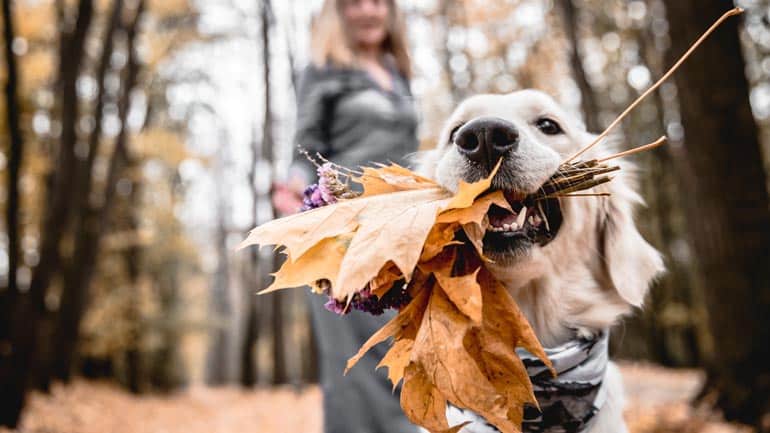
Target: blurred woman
<point>355,108</point>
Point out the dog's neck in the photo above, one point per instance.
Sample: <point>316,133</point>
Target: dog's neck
<point>560,302</point>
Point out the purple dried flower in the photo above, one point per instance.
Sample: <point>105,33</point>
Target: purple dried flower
<point>326,170</point>
<point>317,198</point>
<point>335,306</point>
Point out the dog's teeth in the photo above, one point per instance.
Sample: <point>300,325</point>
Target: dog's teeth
<point>522,217</point>
<point>514,226</point>
<point>531,220</point>
<point>536,220</point>
<point>506,227</point>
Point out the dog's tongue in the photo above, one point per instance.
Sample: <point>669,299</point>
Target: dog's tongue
<point>499,216</point>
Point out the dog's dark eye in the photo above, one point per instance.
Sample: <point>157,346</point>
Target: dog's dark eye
<point>548,126</point>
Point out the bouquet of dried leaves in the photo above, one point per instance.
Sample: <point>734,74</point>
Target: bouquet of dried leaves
<point>407,243</point>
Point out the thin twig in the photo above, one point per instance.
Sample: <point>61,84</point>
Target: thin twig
<point>646,147</point>
<point>728,14</point>
<point>337,166</point>
<point>597,194</point>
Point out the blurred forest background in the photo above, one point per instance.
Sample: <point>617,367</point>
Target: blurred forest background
<point>139,140</point>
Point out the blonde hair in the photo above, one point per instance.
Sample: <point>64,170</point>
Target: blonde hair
<point>332,44</point>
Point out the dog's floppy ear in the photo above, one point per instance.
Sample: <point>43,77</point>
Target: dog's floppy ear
<point>631,262</point>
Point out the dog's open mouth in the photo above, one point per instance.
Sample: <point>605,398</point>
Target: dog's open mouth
<point>532,222</point>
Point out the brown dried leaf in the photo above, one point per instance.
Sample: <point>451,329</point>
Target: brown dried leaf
<point>397,359</point>
<point>319,262</point>
<point>475,234</point>
<point>392,227</point>
<point>422,402</point>
<point>302,231</point>
<point>505,372</point>
<point>391,178</point>
<point>440,237</point>
<point>468,192</point>
<point>503,316</point>
<point>439,348</point>
<point>404,324</point>
<point>464,292</point>
<point>384,280</point>
<point>476,212</point>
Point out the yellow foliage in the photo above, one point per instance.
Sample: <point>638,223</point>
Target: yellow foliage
<point>35,21</point>
<point>161,44</point>
<point>165,8</point>
<point>162,144</point>
<point>481,12</point>
<point>36,70</point>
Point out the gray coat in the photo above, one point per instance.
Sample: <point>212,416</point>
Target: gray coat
<point>349,119</point>
<point>344,115</point>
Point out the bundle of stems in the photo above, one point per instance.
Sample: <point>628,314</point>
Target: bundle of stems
<point>573,177</point>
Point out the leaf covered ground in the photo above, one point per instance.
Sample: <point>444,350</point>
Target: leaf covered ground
<point>657,403</point>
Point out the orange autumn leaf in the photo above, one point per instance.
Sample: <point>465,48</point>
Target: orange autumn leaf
<point>477,212</point>
<point>396,359</point>
<point>385,279</point>
<point>464,292</point>
<point>475,233</point>
<point>315,264</point>
<point>300,232</point>
<point>439,348</point>
<point>473,365</point>
<point>387,227</point>
<point>440,237</point>
<point>405,323</point>
<point>422,402</point>
<point>393,227</point>
<point>391,178</point>
<point>502,313</point>
<point>468,192</point>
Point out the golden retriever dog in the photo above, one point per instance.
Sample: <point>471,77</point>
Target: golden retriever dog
<point>574,265</point>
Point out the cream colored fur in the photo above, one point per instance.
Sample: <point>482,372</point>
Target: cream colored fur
<point>597,268</point>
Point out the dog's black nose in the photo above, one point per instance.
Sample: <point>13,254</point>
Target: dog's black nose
<point>486,139</point>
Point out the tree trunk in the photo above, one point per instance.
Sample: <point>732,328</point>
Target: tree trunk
<point>727,206</point>
<point>83,184</point>
<point>267,147</point>
<point>445,16</point>
<point>9,296</point>
<point>587,99</point>
<point>77,281</point>
<point>280,374</point>
<point>250,279</point>
<point>217,358</point>
<point>15,370</point>
<point>16,148</point>
<point>133,259</point>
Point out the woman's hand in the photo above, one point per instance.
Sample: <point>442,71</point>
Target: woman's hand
<point>287,197</point>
